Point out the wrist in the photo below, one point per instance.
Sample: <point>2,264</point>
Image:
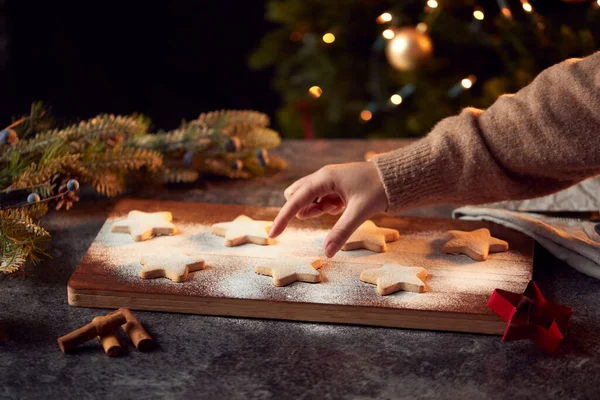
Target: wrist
<point>411,176</point>
<point>380,198</point>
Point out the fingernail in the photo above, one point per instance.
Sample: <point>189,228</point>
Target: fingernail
<point>272,231</point>
<point>330,250</point>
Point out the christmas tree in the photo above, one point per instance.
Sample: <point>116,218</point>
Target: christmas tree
<point>352,68</point>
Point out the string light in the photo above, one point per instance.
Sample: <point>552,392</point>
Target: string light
<point>388,34</point>
<point>366,115</point>
<point>527,6</point>
<point>329,37</point>
<point>478,16</point>
<point>471,79</point>
<point>422,26</point>
<point>464,84</point>
<point>396,99</point>
<point>432,3</point>
<point>315,92</point>
<point>383,18</point>
<point>402,94</point>
<point>504,8</point>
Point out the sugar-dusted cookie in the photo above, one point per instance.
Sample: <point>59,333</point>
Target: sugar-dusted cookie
<point>371,237</point>
<point>242,230</point>
<point>142,226</point>
<point>286,271</point>
<point>476,244</point>
<point>391,278</point>
<point>173,267</point>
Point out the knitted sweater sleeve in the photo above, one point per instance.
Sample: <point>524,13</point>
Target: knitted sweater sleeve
<point>542,139</point>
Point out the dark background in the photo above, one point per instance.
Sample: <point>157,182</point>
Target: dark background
<point>169,60</point>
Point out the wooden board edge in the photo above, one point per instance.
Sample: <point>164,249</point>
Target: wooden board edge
<point>323,313</point>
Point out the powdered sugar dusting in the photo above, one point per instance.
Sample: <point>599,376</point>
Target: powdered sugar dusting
<point>454,283</point>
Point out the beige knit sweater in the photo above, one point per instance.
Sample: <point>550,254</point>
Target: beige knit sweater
<point>540,140</point>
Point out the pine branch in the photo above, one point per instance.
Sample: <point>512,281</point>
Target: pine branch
<point>37,120</point>
<point>233,117</point>
<point>103,150</point>
<point>20,238</point>
<point>105,171</point>
<point>276,164</point>
<point>122,159</point>
<point>78,136</point>
<point>260,138</point>
<point>176,140</point>
<point>107,184</point>
<point>11,168</point>
<point>39,174</point>
<point>179,175</point>
<point>36,210</point>
<point>238,129</point>
<point>13,260</point>
<point>18,225</point>
<point>218,167</point>
<point>252,165</point>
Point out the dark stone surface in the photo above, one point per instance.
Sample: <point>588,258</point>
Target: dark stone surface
<point>214,357</point>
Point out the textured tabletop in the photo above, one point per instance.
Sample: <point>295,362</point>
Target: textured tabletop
<point>214,357</point>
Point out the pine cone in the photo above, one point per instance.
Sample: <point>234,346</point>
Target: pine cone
<point>69,197</point>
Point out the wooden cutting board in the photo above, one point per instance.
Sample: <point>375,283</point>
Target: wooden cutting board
<point>457,287</point>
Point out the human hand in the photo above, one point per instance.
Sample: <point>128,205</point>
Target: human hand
<point>356,187</point>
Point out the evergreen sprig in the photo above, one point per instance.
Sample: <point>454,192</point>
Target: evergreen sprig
<point>123,159</point>
<point>104,151</point>
<point>259,137</point>
<point>233,117</point>
<point>37,174</point>
<point>179,175</point>
<point>20,239</point>
<point>78,136</point>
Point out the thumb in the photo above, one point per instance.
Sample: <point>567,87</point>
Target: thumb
<point>350,220</point>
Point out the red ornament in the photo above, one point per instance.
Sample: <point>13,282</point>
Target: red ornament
<point>531,316</point>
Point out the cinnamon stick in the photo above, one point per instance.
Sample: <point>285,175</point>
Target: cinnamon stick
<point>98,327</point>
<point>136,332</point>
<point>110,342</point>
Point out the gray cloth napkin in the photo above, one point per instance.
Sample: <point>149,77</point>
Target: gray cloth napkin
<point>573,241</point>
<point>581,197</point>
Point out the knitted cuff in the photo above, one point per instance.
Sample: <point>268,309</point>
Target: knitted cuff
<point>412,176</point>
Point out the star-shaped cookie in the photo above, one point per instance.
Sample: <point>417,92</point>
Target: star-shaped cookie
<point>173,267</point>
<point>242,230</point>
<point>142,226</point>
<point>391,278</point>
<point>476,244</point>
<point>291,270</point>
<point>371,237</point>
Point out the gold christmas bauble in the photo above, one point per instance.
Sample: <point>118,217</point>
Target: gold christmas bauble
<point>408,48</point>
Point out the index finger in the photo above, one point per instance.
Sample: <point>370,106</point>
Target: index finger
<point>302,198</point>
<point>289,192</point>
